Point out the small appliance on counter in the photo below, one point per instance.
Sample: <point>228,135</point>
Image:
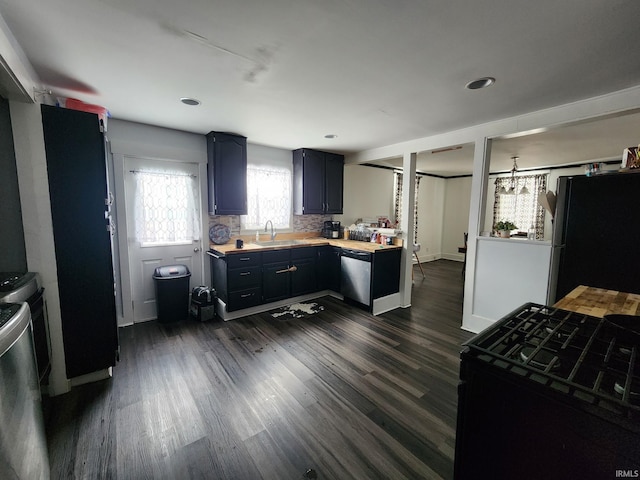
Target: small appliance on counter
<point>331,229</point>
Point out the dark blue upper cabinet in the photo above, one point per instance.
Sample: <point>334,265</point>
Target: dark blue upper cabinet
<point>317,182</point>
<point>227,173</point>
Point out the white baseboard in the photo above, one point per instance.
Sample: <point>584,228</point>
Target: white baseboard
<point>456,257</point>
<point>427,258</point>
<point>386,304</point>
<point>92,377</point>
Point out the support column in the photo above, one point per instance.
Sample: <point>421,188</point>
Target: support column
<point>481,163</point>
<point>408,205</point>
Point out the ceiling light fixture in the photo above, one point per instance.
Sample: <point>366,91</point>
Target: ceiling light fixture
<point>192,102</point>
<point>331,135</point>
<point>480,83</point>
<point>513,183</point>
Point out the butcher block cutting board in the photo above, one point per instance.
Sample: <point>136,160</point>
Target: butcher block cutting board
<point>599,302</point>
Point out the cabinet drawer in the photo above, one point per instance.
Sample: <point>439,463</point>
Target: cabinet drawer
<point>244,278</point>
<point>244,298</point>
<point>276,256</point>
<point>242,260</point>
<point>303,252</point>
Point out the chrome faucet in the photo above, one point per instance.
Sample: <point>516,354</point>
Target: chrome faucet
<point>266,226</point>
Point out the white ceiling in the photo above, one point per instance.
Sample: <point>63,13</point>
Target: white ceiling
<point>286,72</point>
<point>601,139</point>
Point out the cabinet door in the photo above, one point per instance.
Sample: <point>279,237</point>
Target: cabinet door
<point>322,266</point>
<point>276,280</point>
<point>76,168</point>
<point>313,182</point>
<point>334,179</point>
<point>227,173</point>
<point>328,268</point>
<point>386,273</point>
<point>303,278</point>
<point>334,269</point>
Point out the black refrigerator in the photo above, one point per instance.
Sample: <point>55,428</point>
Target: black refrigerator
<point>596,234</point>
<point>80,205</point>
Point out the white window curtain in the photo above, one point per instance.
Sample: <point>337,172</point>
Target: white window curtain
<point>398,203</point>
<point>166,207</point>
<point>268,197</point>
<point>521,208</point>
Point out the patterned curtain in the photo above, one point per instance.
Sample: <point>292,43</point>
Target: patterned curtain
<point>521,209</point>
<point>398,203</point>
<point>268,197</point>
<point>166,207</point>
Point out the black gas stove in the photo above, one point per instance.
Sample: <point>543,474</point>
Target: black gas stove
<point>548,393</point>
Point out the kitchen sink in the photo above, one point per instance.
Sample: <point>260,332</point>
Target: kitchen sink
<point>280,243</point>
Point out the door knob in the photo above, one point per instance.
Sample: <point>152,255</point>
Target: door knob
<point>197,249</point>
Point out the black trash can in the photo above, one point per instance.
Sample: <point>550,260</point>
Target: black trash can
<point>172,292</point>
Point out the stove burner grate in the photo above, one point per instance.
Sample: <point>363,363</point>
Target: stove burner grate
<point>585,357</point>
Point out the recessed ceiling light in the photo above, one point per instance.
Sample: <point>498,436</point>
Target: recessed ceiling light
<point>190,101</point>
<point>480,83</point>
<point>331,135</point>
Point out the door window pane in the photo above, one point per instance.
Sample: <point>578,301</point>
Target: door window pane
<point>166,208</point>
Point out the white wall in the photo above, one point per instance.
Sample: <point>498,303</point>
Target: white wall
<point>431,200</point>
<point>509,273</point>
<point>368,192</point>
<point>443,207</point>
<point>456,216</point>
<point>33,180</point>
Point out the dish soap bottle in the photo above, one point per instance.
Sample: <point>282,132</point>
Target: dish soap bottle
<point>257,236</point>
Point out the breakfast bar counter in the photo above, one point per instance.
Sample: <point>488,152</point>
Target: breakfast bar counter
<point>598,302</point>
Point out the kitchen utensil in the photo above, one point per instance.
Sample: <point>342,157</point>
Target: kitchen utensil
<point>544,201</point>
<point>551,200</point>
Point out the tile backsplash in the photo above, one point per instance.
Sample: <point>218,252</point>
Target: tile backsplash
<point>301,223</point>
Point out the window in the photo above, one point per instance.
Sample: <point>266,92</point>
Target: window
<point>520,208</point>
<point>166,208</point>
<point>268,197</point>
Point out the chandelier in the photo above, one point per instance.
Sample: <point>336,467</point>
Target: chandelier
<point>513,183</point>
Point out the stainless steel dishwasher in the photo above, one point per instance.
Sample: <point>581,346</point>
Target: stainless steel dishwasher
<point>355,276</point>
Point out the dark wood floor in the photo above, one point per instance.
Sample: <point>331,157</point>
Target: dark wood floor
<point>346,394</point>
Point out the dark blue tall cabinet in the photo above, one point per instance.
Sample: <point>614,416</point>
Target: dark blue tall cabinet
<point>76,165</point>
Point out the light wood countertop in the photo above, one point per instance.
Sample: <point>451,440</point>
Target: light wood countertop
<point>230,248</point>
<point>599,302</point>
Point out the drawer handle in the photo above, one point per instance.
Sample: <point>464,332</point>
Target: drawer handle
<point>246,295</point>
<point>293,268</point>
<point>244,274</point>
<point>245,259</point>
